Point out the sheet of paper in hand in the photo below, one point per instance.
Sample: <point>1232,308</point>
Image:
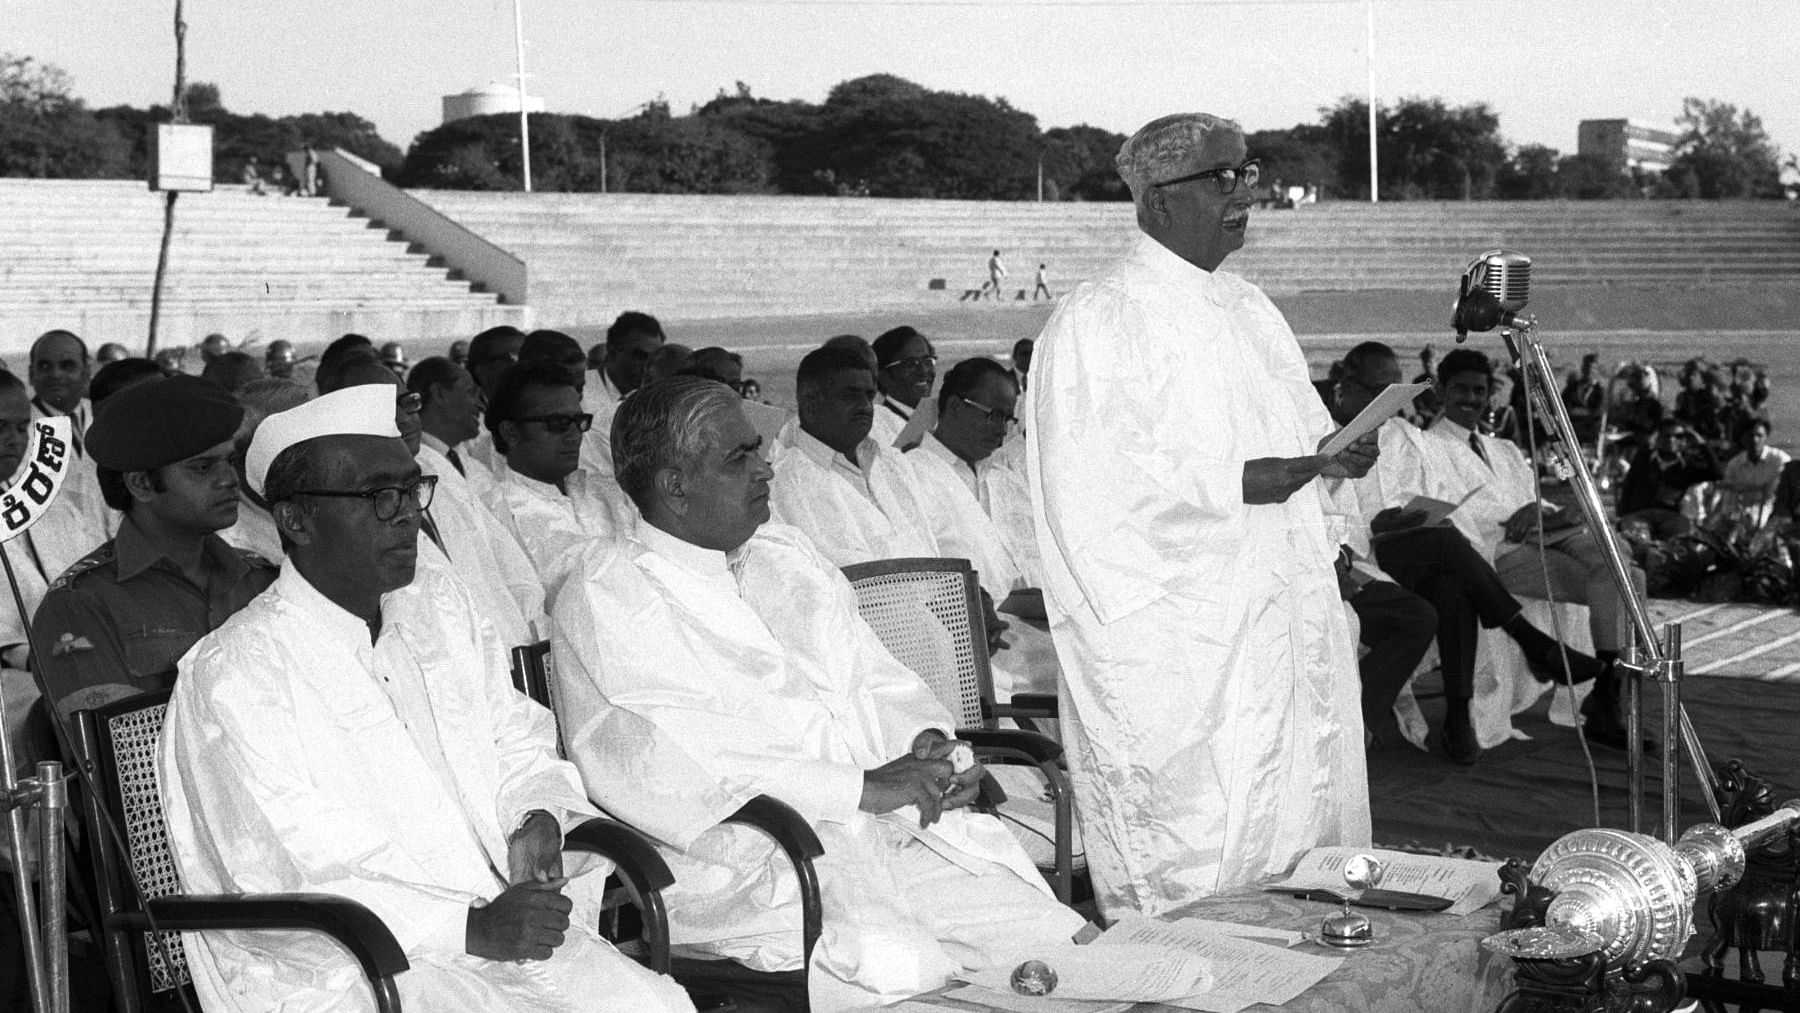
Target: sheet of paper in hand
<point>1468,885</point>
<point>1438,511</point>
<point>1386,405</point>
<point>1245,972</point>
<point>1135,973</point>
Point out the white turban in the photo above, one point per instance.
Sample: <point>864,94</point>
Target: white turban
<point>363,410</point>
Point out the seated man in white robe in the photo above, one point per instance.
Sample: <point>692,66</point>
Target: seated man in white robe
<point>542,495</point>
<point>710,657</point>
<point>857,499</point>
<point>354,731</point>
<point>905,368</point>
<point>480,548</point>
<point>1501,519</point>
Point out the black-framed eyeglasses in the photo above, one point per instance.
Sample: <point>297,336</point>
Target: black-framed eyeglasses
<point>559,424</point>
<point>388,499</point>
<point>994,416</point>
<point>913,364</point>
<point>410,403</point>
<point>1226,177</point>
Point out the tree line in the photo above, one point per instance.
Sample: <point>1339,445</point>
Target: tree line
<point>882,136</point>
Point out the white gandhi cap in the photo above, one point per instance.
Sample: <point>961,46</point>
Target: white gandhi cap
<point>363,410</point>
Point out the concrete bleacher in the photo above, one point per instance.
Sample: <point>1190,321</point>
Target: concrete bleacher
<point>592,255</point>
<point>82,255</point>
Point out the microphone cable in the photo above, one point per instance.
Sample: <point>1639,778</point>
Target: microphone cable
<point>1532,408</point>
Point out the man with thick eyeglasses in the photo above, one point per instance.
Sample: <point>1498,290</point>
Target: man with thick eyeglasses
<point>114,624</point>
<point>542,494</point>
<point>358,726</point>
<point>1210,697</point>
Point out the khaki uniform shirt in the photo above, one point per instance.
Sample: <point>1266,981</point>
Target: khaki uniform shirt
<point>118,620</point>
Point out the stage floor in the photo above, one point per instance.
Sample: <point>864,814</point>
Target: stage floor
<point>1742,694</point>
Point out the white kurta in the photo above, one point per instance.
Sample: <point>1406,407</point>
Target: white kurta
<point>553,528</point>
<point>762,678</point>
<point>81,489</point>
<point>1501,484</point>
<point>1210,700</point>
<point>296,756</point>
<point>254,531</point>
<point>484,553</point>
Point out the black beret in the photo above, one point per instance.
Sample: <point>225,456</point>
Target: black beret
<point>161,422</point>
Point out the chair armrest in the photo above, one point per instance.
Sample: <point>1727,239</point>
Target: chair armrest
<point>797,839</point>
<point>1031,705</point>
<point>1013,745</point>
<point>640,868</point>
<point>352,925</point>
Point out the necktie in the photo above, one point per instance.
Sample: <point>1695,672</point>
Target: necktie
<point>456,461</point>
<point>431,529</point>
<point>1475,445</point>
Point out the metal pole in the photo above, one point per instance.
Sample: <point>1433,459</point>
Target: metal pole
<point>1374,159</point>
<point>52,803</point>
<point>1669,673</point>
<point>1040,180</point>
<point>1540,383</point>
<point>1630,688</point>
<point>524,120</point>
<point>178,113</point>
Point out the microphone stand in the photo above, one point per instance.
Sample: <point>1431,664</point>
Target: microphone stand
<point>1649,656</point>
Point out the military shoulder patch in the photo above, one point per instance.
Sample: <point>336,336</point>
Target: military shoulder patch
<point>68,644</point>
<point>97,558</point>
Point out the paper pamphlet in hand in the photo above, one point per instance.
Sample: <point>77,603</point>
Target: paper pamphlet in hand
<point>1436,510</point>
<point>1469,886</point>
<point>1146,973</point>
<point>1245,972</point>
<point>1386,405</point>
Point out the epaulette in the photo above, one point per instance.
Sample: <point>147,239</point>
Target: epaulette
<point>93,560</point>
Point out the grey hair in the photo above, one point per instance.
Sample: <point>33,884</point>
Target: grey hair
<point>662,425</point>
<point>1165,147</point>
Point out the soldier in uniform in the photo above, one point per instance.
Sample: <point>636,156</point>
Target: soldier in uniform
<point>117,621</point>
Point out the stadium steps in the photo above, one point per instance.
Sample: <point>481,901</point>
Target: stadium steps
<point>81,254</point>
<point>593,255</point>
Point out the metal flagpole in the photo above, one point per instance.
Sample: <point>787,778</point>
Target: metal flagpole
<point>1369,55</point>
<point>524,117</point>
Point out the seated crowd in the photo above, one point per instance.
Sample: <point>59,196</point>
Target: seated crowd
<point>330,578</point>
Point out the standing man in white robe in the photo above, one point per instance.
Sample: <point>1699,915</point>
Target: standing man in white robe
<point>1210,696</point>
<point>354,731</point>
<point>760,678</point>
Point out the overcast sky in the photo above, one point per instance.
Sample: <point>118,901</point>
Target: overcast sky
<point>1542,65</point>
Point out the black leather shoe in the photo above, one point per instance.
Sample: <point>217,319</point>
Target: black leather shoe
<point>1460,744</point>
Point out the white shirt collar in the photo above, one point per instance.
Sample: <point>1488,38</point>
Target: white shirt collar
<point>334,621</point>
<point>434,443</point>
<point>701,562</point>
<point>897,407</point>
<point>1166,263</point>
<point>826,457</point>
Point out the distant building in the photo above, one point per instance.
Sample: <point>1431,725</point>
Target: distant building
<point>1628,144</point>
<point>486,100</point>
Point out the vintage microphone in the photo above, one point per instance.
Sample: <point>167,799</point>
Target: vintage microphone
<point>1494,288</point>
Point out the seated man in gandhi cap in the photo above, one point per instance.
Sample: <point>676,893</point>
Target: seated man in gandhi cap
<point>354,731</point>
<point>709,656</point>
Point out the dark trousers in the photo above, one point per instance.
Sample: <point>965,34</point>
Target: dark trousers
<point>1439,565</point>
<point>1397,627</point>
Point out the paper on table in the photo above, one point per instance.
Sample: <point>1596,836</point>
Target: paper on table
<point>1147,973</point>
<point>1470,886</point>
<point>1245,972</point>
<point>1386,405</point>
<point>1260,933</point>
<point>1013,1001</point>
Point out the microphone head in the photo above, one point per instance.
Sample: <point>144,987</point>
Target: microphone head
<point>1495,286</point>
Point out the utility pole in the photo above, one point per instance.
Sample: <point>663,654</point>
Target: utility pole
<point>1374,173</point>
<point>524,117</point>
<point>178,113</point>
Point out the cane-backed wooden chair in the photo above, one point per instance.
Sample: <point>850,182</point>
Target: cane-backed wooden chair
<point>139,890</point>
<point>927,612</point>
<point>717,982</point>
